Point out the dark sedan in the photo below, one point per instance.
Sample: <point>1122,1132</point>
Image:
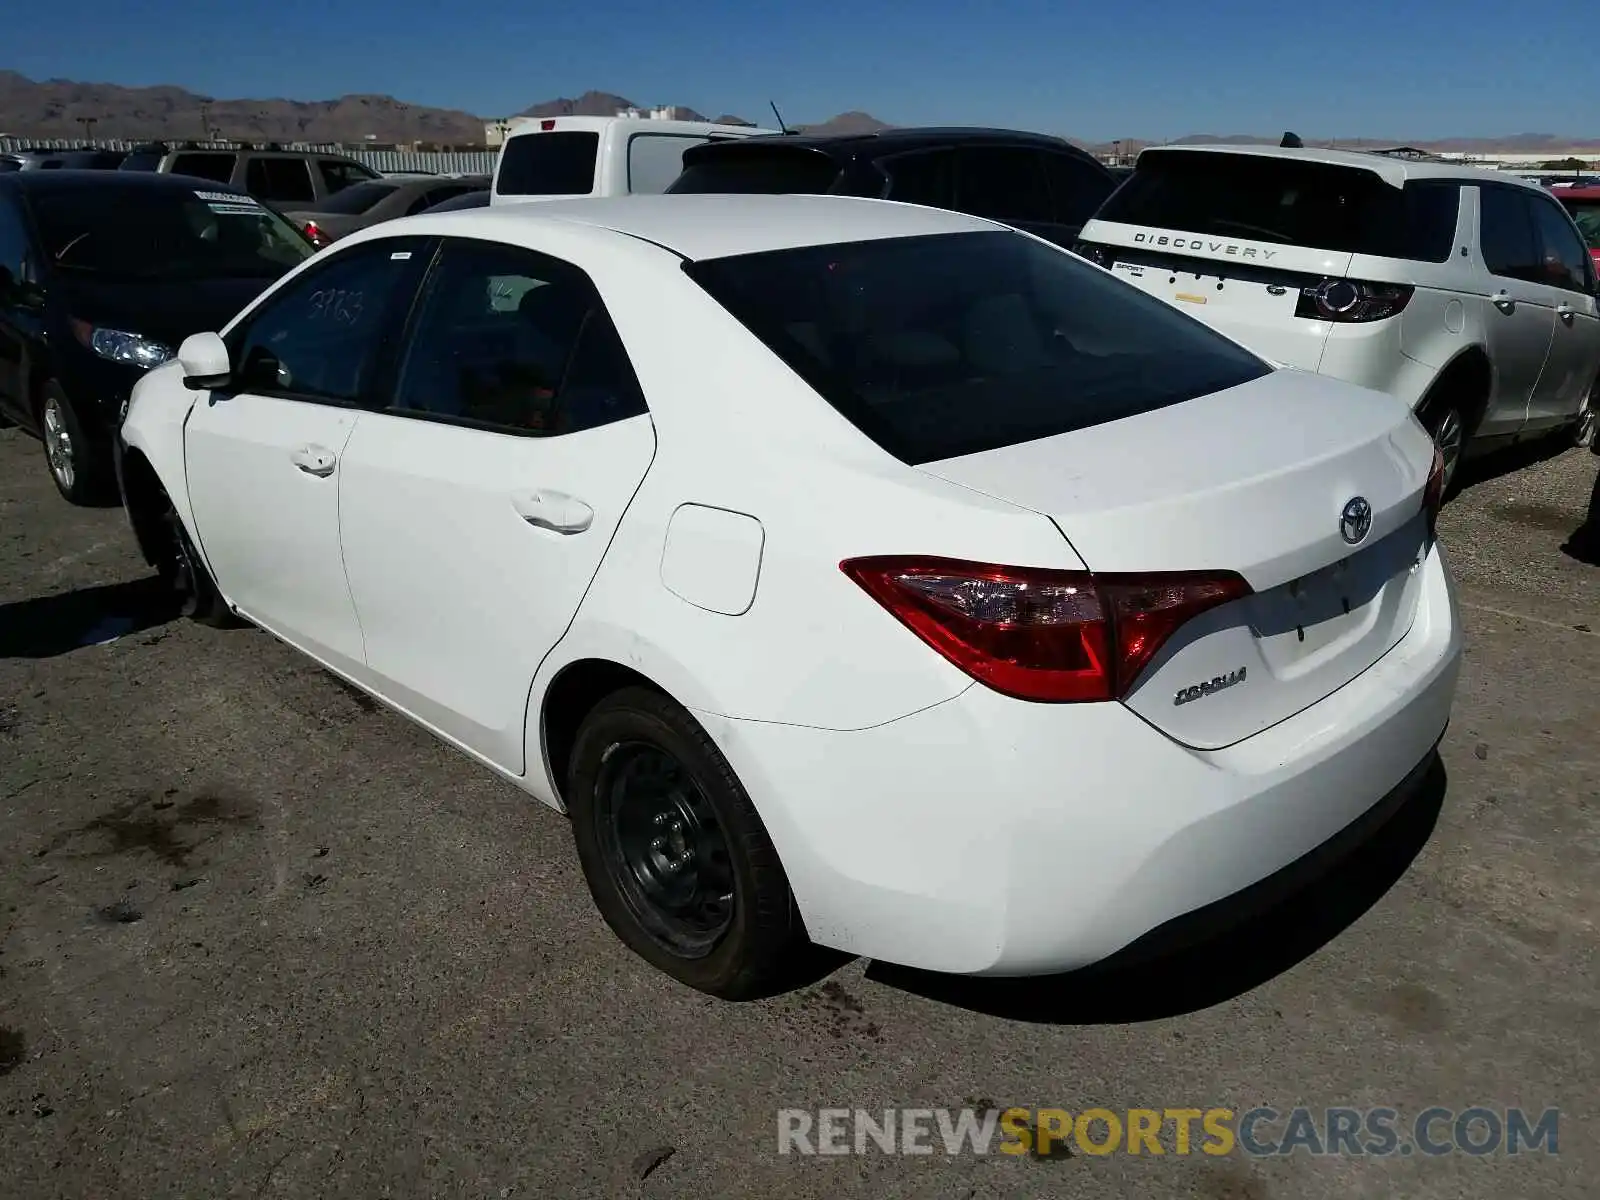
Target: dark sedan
<point>102,275</point>
<point>364,204</point>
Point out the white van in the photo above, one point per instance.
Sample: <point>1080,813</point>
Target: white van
<point>550,158</point>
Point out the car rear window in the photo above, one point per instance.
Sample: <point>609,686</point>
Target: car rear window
<point>758,170</point>
<point>937,347</point>
<point>358,198</point>
<point>548,164</point>
<point>216,167</point>
<point>1586,213</point>
<point>1288,201</point>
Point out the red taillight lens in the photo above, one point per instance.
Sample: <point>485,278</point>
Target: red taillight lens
<point>1352,301</point>
<point>1433,494</point>
<point>315,233</point>
<point>547,125</point>
<point>1040,634</point>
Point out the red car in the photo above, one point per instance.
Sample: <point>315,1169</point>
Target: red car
<point>1584,205</point>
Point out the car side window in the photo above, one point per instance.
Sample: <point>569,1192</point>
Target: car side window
<point>1506,233</point>
<point>926,177</point>
<point>216,167</point>
<point>13,241</point>
<point>437,195</point>
<point>1564,259</point>
<point>655,160</point>
<point>319,338</point>
<point>1077,188</point>
<point>338,175</point>
<point>281,180</point>
<point>1002,183</point>
<point>513,342</point>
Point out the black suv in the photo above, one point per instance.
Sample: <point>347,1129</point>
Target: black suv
<point>1043,184</point>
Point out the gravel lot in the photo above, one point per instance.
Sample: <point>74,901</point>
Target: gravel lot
<point>260,937</point>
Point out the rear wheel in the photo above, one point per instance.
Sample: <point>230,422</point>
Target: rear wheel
<point>1583,429</point>
<point>676,858</point>
<point>79,465</point>
<point>1443,418</point>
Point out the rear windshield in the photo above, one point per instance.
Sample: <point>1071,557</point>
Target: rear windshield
<point>1587,215</point>
<point>358,198</point>
<point>548,164</point>
<point>936,347</point>
<point>770,170</point>
<point>1287,201</point>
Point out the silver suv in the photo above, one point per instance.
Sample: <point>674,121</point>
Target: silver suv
<point>282,178</point>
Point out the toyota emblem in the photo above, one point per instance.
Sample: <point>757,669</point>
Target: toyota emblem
<point>1355,522</point>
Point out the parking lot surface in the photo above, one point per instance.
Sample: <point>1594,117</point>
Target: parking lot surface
<point>260,937</point>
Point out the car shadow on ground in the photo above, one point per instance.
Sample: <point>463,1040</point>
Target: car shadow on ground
<point>1584,544</point>
<point>1508,460</point>
<point>67,621</point>
<point>1244,950</point>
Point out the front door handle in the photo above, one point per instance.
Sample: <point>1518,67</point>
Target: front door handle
<point>554,511</point>
<point>1503,301</point>
<point>1566,312</point>
<point>315,460</point>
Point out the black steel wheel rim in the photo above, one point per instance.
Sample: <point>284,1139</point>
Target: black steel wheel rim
<point>180,567</point>
<point>665,848</point>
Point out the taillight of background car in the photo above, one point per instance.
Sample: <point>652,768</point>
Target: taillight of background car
<point>1352,301</point>
<point>1037,634</point>
<point>319,236</point>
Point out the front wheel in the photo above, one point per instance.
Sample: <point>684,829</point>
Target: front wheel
<point>180,565</point>
<point>675,855</point>
<point>79,465</point>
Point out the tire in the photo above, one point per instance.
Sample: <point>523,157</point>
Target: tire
<point>179,564</point>
<point>1446,422</point>
<point>79,465</point>
<point>675,855</point>
<point>1582,431</point>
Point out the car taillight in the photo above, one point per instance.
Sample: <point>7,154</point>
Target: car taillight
<point>1433,494</point>
<point>547,125</point>
<point>1038,634</point>
<point>1350,300</point>
<point>1101,256</point>
<point>317,234</point>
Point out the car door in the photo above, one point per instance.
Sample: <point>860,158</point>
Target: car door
<point>1569,280</point>
<point>18,319</point>
<point>262,457</point>
<point>1517,316</point>
<point>1005,183</point>
<point>477,505</point>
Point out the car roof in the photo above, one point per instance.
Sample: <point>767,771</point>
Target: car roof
<point>897,139</point>
<point>522,126</point>
<point>708,226</point>
<point>1393,170</point>
<point>68,180</point>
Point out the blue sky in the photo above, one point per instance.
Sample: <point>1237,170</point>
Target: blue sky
<point>1140,68</point>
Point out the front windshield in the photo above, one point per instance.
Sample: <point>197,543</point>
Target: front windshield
<point>165,233</point>
<point>359,198</point>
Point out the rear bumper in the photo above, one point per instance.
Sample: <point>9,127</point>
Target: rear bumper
<point>987,835</point>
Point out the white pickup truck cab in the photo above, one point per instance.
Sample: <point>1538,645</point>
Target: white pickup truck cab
<point>554,158</point>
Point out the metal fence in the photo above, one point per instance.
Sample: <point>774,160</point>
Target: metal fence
<point>467,162</point>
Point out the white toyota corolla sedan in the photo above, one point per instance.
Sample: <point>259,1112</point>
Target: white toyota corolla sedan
<point>845,570</point>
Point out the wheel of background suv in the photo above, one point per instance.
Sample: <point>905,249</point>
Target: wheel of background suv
<point>1583,429</point>
<point>181,566</point>
<point>80,466</point>
<point>1441,416</point>
<point>676,858</point>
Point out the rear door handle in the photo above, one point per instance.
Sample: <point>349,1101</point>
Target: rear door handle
<point>315,460</point>
<point>1503,301</point>
<point>555,511</point>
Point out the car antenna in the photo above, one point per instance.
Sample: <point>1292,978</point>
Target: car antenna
<point>1291,141</point>
<point>774,106</point>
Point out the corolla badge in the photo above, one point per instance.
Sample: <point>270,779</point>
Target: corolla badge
<point>1355,521</point>
<point>1210,687</point>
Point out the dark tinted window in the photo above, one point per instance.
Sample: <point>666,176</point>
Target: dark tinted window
<point>1506,232</point>
<point>320,337</point>
<point>438,195</point>
<point>511,341</point>
<point>358,198</point>
<point>142,160</point>
<point>1002,183</point>
<point>128,230</point>
<point>478,198</point>
<point>1265,199</point>
<point>10,164</point>
<point>941,346</point>
<point>215,167</point>
<point>281,180</point>
<point>1431,212</point>
<point>770,170</point>
<point>1077,188</point>
<point>928,178</point>
<point>338,174</point>
<point>1587,215</point>
<point>13,240</point>
<point>548,164</point>
<point>1565,261</point>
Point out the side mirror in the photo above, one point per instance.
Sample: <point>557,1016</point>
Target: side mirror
<point>204,357</point>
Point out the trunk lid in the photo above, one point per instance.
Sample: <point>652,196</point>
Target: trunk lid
<point>1255,480</point>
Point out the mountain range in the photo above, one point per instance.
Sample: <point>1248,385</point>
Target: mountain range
<point>61,108</point>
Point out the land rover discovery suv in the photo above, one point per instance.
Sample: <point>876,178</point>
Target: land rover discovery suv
<point>1467,293</point>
